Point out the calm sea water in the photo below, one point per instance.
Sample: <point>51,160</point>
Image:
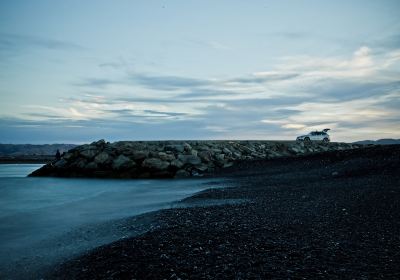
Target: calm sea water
<point>43,220</point>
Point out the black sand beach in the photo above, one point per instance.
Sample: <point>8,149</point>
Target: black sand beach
<point>334,215</point>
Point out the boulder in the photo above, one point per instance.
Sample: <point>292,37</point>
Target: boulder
<point>68,156</point>
<point>80,163</point>
<point>174,148</point>
<point>226,151</point>
<point>205,156</point>
<point>176,164</point>
<point>90,152</point>
<point>139,155</point>
<point>219,157</point>
<point>91,165</point>
<point>155,164</point>
<point>201,167</point>
<point>182,174</point>
<point>189,159</point>
<point>122,162</point>
<point>166,157</point>
<point>60,163</point>
<point>102,158</point>
<point>237,155</point>
<point>187,147</point>
<point>101,143</point>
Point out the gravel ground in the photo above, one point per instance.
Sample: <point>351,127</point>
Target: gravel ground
<point>328,216</point>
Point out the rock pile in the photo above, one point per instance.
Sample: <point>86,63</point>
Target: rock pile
<point>171,159</point>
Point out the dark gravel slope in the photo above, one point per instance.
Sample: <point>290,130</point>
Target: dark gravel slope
<point>327,216</point>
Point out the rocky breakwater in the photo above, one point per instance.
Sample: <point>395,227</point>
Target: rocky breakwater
<point>171,159</point>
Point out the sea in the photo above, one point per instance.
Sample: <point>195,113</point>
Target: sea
<point>44,221</point>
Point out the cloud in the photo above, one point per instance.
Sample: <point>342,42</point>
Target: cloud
<point>96,82</point>
<point>264,77</point>
<point>354,95</point>
<point>168,82</point>
<point>15,43</point>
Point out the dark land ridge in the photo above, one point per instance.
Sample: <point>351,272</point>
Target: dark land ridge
<point>33,150</point>
<point>27,159</point>
<point>28,153</point>
<point>332,215</point>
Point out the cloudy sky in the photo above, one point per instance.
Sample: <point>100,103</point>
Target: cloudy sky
<point>75,71</point>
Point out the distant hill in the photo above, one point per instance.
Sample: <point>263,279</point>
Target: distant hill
<point>379,142</point>
<point>16,150</point>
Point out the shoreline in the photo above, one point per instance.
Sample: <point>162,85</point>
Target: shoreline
<point>330,216</point>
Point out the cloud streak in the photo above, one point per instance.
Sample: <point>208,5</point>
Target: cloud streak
<point>16,43</point>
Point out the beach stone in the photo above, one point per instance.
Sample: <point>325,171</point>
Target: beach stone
<point>122,162</point>
<point>155,163</point>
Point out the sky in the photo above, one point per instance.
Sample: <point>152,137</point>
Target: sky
<point>78,71</point>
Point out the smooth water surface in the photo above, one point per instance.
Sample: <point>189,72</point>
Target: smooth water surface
<point>38,215</point>
<point>17,170</point>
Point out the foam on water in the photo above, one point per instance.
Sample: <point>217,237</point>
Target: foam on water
<point>36,210</point>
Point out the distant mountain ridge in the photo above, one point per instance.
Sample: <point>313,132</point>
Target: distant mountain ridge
<point>379,142</point>
<point>33,150</point>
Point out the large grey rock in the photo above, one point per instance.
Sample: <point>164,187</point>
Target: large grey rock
<point>174,148</point>
<point>91,166</point>
<point>177,164</point>
<point>102,158</point>
<point>90,152</point>
<point>182,174</point>
<point>205,156</point>
<point>139,155</point>
<point>122,162</point>
<point>201,167</point>
<point>80,163</point>
<point>189,159</point>
<point>187,147</point>
<point>227,151</point>
<point>155,164</point>
<point>100,143</point>
<point>68,156</point>
<point>219,157</point>
<point>61,163</point>
<point>166,157</point>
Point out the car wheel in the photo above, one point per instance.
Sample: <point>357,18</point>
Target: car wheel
<point>326,140</point>
<point>307,140</point>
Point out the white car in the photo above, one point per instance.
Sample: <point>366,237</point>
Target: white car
<point>315,136</point>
